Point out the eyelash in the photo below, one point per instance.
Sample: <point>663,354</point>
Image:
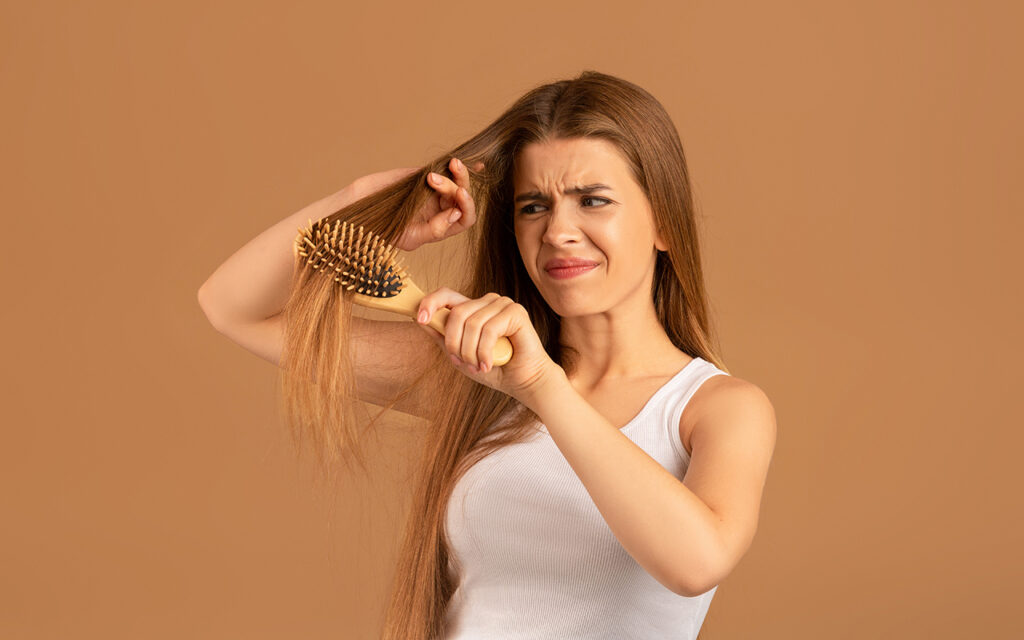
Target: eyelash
<point>604,200</point>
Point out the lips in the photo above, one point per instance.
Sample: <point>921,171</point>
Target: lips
<point>563,263</point>
<point>564,268</point>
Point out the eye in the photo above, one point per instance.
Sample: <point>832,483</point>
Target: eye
<point>603,200</point>
<point>600,203</point>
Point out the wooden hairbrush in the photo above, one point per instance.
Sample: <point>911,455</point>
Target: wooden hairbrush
<point>361,260</point>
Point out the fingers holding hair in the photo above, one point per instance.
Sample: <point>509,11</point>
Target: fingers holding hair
<point>463,194</point>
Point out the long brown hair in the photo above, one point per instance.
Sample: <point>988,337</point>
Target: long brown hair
<point>319,388</point>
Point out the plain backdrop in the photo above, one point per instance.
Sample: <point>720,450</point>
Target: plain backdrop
<point>856,167</point>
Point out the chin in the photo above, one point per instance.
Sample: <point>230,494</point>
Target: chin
<point>569,308</point>
<point>567,303</point>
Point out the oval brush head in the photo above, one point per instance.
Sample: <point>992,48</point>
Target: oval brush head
<point>360,260</point>
<point>363,261</point>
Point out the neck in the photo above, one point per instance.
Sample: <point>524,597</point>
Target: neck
<point>621,343</point>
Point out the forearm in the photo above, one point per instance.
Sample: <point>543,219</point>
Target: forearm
<point>663,525</point>
<point>255,282</point>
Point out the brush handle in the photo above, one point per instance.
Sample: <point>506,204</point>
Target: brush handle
<point>407,302</point>
<point>502,352</point>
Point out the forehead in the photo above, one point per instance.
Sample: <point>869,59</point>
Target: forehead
<point>569,160</point>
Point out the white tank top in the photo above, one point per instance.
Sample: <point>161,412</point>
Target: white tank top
<point>539,561</point>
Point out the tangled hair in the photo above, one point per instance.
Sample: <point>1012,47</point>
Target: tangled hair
<point>318,381</point>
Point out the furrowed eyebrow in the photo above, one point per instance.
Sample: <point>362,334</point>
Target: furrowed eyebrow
<point>587,188</point>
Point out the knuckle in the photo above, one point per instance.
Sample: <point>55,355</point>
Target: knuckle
<point>490,332</point>
<point>450,345</point>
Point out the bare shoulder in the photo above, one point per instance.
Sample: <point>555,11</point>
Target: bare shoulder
<point>724,397</point>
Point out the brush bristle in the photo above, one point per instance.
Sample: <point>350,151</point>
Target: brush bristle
<point>359,259</point>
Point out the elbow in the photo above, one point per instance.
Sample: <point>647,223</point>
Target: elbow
<point>692,588</point>
<point>696,585</point>
<point>698,578</point>
<point>201,298</point>
<point>204,304</point>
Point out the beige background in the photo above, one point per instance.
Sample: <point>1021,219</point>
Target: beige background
<point>857,167</point>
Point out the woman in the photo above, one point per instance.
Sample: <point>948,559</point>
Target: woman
<point>604,481</point>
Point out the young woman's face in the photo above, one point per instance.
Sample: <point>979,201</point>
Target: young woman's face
<point>576,200</point>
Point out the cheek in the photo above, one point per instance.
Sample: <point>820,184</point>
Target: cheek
<point>525,239</point>
<point>627,249</point>
<point>526,253</point>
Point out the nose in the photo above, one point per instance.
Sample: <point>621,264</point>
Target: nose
<point>562,228</point>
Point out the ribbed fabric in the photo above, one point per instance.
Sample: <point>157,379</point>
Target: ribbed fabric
<point>538,559</point>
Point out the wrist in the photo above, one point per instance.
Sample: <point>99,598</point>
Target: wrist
<point>549,385</point>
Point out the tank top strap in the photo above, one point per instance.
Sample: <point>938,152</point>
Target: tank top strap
<point>683,388</point>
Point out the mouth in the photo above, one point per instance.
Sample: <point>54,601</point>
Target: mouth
<point>563,273</point>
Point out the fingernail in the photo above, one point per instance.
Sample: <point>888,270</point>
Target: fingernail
<point>455,360</point>
<point>423,316</point>
<point>454,216</point>
<point>458,163</point>
<point>436,179</point>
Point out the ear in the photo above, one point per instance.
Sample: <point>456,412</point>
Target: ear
<point>659,242</point>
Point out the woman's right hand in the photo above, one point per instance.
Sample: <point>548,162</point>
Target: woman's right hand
<point>448,211</point>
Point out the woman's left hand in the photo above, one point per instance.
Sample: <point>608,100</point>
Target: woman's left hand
<point>471,331</point>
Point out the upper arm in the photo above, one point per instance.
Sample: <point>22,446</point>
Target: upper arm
<point>263,337</point>
<point>387,356</point>
<point>733,439</point>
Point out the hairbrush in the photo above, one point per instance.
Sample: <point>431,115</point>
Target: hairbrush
<point>361,260</point>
